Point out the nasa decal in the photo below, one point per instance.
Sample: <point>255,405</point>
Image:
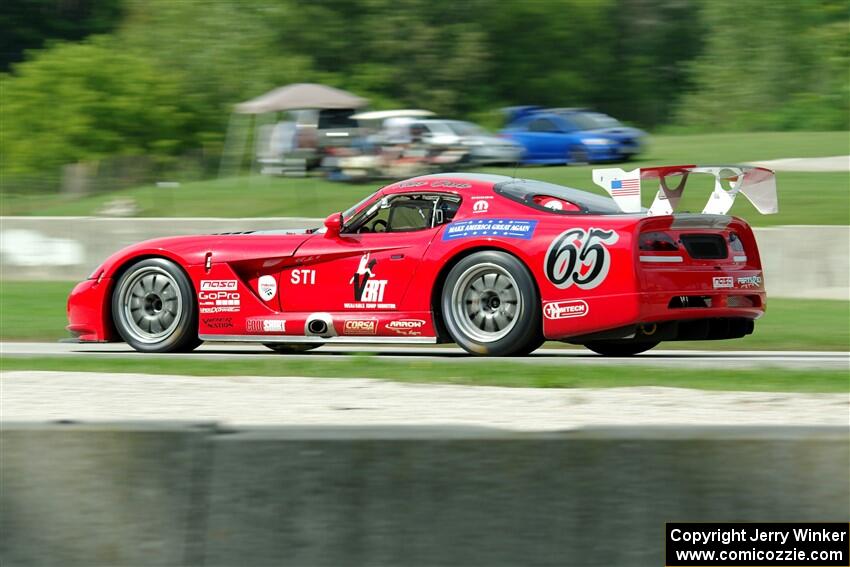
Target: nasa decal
<point>579,257</point>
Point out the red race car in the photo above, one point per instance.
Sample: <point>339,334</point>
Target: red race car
<point>493,263</point>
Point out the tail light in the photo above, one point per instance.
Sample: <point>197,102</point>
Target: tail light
<point>657,242</point>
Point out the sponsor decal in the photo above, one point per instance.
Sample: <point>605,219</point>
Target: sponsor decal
<point>480,206</point>
<point>509,228</point>
<point>218,322</point>
<point>579,257</point>
<point>218,285</point>
<point>221,300</point>
<point>367,289</point>
<point>360,326</point>
<point>265,326</point>
<point>303,277</point>
<point>450,184</point>
<point>723,282</point>
<point>404,184</point>
<point>565,309</point>
<point>409,327</point>
<point>267,287</point>
<point>749,281</point>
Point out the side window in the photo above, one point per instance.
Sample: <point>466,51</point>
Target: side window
<point>542,125</point>
<point>569,126</point>
<point>406,213</point>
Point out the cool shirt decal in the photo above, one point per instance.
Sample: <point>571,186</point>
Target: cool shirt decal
<point>749,281</point>
<point>265,326</point>
<point>267,287</point>
<point>510,228</point>
<point>579,257</point>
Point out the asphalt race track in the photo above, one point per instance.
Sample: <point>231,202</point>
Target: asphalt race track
<point>551,356</point>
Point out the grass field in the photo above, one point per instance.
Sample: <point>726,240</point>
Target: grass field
<point>32,311</point>
<point>805,198</point>
<point>482,373</point>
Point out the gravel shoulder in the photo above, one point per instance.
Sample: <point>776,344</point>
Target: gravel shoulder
<point>247,400</point>
<point>818,165</point>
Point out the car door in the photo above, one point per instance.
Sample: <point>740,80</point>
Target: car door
<point>544,139</point>
<point>364,271</point>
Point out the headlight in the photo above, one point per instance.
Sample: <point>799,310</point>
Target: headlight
<point>596,141</point>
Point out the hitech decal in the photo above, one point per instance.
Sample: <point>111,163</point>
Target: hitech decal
<point>408,327</point>
<point>579,257</point>
<point>368,292</point>
<point>723,283</point>
<point>360,327</point>
<point>510,228</point>
<point>565,309</point>
<point>267,287</point>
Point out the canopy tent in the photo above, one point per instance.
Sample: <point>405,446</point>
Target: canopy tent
<point>301,96</point>
<point>298,96</point>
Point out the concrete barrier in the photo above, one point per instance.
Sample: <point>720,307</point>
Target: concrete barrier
<point>150,495</point>
<point>97,495</point>
<point>799,261</point>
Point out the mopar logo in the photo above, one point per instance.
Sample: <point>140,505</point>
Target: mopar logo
<point>565,309</point>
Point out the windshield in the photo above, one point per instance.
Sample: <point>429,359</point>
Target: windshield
<point>526,190</point>
<point>591,120</point>
<point>353,209</point>
<point>466,128</point>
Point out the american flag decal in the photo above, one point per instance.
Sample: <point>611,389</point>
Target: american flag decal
<point>625,187</point>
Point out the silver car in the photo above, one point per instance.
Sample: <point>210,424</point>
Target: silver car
<point>482,146</point>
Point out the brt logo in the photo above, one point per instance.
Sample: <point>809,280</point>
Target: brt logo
<point>373,291</point>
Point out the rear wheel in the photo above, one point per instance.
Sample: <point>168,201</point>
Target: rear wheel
<point>291,348</point>
<point>491,307</point>
<point>614,348</point>
<point>153,307</point>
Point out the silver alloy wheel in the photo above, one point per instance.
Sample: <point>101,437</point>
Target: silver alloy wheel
<point>486,303</point>
<point>151,304</point>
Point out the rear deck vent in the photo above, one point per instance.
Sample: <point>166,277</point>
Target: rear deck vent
<point>705,246</point>
<point>689,301</point>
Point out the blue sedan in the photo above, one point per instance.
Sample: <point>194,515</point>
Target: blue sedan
<point>571,136</point>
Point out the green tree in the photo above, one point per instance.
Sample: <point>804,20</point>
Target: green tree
<point>85,101</point>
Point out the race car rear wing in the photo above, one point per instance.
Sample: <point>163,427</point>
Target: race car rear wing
<point>757,184</point>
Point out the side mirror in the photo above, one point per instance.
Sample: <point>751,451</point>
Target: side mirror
<point>333,224</point>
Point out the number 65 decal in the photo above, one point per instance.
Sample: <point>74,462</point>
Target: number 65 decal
<point>579,257</point>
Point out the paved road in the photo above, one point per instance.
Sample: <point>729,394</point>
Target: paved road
<point>555,356</point>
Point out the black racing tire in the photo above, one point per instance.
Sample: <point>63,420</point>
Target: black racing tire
<point>490,305</point>
<point>619,348</point>
<point>291,348</point>
<point>577,155</point>
<point>154,307</point>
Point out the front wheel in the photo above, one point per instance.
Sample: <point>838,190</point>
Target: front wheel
<point>490,305</point>
<point>153,307</point>
<point>613,348</point>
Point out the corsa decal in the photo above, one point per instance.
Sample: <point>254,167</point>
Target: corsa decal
<point>579,257</point>
<point>509,228</point>
<point>360,327</point>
